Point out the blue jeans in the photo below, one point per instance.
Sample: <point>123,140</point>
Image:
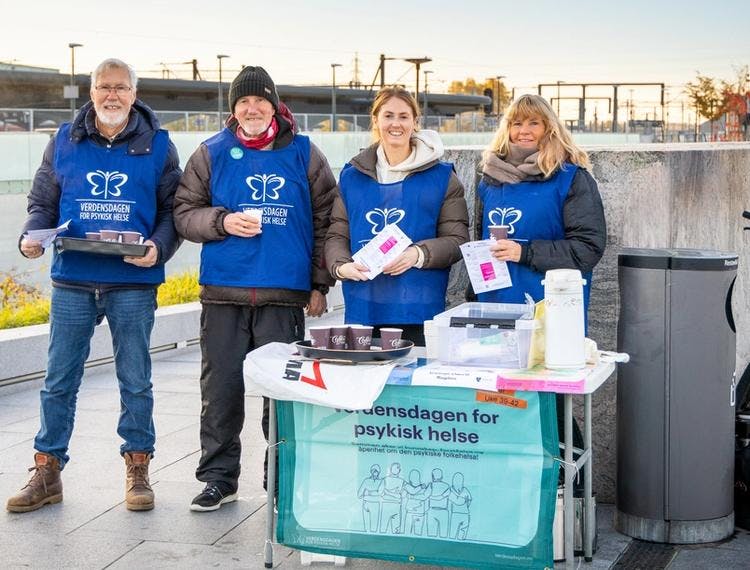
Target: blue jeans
<point>73,315</point>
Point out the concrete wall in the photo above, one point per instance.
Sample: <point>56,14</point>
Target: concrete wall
<point>23,351</point>
<point>686,195</point>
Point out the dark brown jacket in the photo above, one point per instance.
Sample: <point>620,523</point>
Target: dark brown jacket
<point>198,221</point>
<point>439,252</point>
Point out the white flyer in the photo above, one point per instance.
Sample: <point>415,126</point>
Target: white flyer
<point>47,236</point>
<point>485,272</point>
<point>438,374</point>
<point>382,249</point>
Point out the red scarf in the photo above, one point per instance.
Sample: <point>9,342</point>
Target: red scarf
<point>270,133</point>
<point>262,140</point>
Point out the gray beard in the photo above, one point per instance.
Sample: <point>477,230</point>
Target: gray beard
<point>112,121</point>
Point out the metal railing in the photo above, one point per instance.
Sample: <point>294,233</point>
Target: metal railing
<point>47,120</point>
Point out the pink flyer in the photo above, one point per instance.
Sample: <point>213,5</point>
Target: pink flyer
<point>488,272</point>
<point>388,244</point>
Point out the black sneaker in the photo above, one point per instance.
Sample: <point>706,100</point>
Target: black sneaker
<point>213,496</point>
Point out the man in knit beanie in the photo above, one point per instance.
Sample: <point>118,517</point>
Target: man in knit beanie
<point>247,195</point>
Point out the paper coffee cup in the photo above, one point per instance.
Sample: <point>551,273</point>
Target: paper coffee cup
<point>319,336</point>
<point>131,237</point>
<point>360,337</point>
<point>390,338</point>
<point>256,213</point>
<point>498,232</point>
<point>338,338</point>
<point>109,235</point>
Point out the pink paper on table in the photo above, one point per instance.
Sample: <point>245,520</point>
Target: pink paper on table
<point>540,379</point>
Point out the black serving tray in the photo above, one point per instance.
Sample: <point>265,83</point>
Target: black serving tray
<point>304,348</point>
<point>100,247</point>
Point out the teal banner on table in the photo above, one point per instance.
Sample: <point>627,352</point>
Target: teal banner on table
<point>429,475</point>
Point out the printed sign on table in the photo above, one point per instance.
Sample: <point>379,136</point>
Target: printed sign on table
<point>427,475</point>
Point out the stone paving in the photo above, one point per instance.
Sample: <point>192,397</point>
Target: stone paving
<point>92,529</point>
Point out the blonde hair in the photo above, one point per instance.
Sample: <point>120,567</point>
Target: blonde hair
<point>385,95</point>
<point>556,145</point>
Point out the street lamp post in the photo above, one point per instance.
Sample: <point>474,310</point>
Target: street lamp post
<point>417,61</point>
<point>333,95</point>
<point>497,92</point>
<point>221,96</point>
<point>73,92</point>
<point>424,112</point>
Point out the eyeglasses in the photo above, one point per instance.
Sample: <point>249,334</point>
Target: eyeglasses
<point>119,89</point>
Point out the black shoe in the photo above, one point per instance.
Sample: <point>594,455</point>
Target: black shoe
<point>213,496</point>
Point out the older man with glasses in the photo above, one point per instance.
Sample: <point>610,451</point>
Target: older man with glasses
<point>111,168</point>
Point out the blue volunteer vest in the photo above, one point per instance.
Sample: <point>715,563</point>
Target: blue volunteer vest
<point>534,211</point>
<point>106,188</point>
<point>275,181</point>
<point>414,205</point>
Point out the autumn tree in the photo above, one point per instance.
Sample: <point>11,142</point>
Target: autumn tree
<point>705,97</point>
<point>470,86</point>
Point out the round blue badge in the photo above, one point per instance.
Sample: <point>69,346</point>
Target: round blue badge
<point>236,153</point>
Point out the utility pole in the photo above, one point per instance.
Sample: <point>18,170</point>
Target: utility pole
<point>72,92</point>
<point>196,73</point>
<point>221,96</point>
<point>558,98</point>
<point>614,108</point>
<point>417,61</point>
<point>333,95</point>
<point>424,113</point>
<point>497,94</point>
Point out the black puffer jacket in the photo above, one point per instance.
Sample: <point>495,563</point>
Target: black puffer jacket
<point>44,197</point>
<point>585,230</point>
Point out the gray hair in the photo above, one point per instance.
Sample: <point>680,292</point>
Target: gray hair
<point>114,63</point>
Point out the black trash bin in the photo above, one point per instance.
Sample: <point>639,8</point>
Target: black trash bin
<point>675,398</point>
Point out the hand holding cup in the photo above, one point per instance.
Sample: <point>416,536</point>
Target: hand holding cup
<point>241,224</point>
<point>506,250</point>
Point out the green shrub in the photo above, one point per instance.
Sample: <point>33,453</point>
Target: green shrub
<point>23,305</point>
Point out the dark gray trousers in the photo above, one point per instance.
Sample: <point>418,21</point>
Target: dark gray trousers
<point>228,333</point>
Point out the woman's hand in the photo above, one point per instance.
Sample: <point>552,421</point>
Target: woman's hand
<point>506,250</point>
<point>403,262</point>
<point>241,225</point>
<point>353,271</point>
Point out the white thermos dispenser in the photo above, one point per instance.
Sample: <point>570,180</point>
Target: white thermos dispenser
<point>564,320</point>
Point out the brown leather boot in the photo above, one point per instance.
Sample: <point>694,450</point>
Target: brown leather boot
<point>138,493</point>
<point>44,487</point>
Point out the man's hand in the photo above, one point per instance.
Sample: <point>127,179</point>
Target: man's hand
<point>506,250</point>
<point>317,305</point>
<point>241,225</point>
<point>403,262</point>
<point>31,248</point>
<point>353,271</point>
<point>148,260</point>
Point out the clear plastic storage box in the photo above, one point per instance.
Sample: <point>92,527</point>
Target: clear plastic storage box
<point>485,334</point>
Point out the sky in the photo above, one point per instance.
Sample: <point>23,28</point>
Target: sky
<point>545,41</point>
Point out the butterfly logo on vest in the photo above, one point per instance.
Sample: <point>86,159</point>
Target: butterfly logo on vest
<point>106,183</point>
<point>505,217</point>
<point>379,218</point>
<point>265,186</point>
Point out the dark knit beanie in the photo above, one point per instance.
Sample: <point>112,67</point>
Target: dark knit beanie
<point>253,80</point>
